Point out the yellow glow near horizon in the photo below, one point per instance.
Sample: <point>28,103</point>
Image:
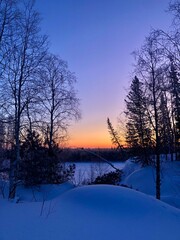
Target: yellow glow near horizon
<point>91,143</point>
<point>99,55</point>
<point>91,137</point>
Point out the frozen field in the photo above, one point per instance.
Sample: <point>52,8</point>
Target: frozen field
<point>88,171</point>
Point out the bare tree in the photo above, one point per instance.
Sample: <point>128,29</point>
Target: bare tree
<point>174,8</point>
<point>26,50</point>
<point>150,68</point>
<point>57,99</point>
<point>169,43</point>
<point>8,13</point>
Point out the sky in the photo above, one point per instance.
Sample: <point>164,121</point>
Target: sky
<point>97,38</point>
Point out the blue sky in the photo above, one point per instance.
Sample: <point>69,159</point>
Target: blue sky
<point>96,38</point>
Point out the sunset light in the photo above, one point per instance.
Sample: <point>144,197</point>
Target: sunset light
<point>97,39</point>
<point>98,138</point>
<point>89,119</point>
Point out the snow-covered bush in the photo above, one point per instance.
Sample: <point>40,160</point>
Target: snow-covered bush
<point>112,178</point>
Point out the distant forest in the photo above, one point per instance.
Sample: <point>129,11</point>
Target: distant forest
<point>92,155</point>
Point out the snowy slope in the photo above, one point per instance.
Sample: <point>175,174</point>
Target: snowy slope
<point>90,213</point>
<point>143,180</point>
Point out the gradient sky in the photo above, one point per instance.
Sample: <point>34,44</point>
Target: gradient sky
<point>96,38</point>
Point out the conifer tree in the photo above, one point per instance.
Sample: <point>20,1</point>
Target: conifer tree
<point>165,128</point>
<point>175,97</point>
<point>138,130</point>
<point>115,137</point>
<point>114,134</point>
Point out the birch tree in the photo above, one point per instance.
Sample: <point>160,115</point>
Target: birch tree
<point>150,68</point>
<point>57,99</point>
<point>26,50</point>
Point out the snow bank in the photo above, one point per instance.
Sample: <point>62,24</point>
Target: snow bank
<point>143,180</point>
<point>91,213</point>
<point>42,193</point>
<point>129,167</point>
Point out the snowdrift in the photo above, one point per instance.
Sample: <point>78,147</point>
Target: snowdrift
<point>143,180</point>
<point>91,213</point>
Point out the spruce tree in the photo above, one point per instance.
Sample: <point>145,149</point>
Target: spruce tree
<point>138,130</point>
<point>175,97</point>
<point>165,128</point>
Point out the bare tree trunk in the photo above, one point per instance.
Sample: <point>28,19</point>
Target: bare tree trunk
<point>26,51</point>
<point>15,161</point>
<point>158,177</point>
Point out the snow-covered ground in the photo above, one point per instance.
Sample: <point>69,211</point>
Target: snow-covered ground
<point>97,212</point>
<point>143,180</point>
<point>88,171</point>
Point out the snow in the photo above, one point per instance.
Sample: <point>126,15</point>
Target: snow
<point>88,171</point>
<point>89,213</point>
<point>42,193</point>
<point>143,180</point>
<point>66,212</point>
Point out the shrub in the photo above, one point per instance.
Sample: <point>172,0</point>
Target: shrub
<point>112,178</point>
<point>40,166</point>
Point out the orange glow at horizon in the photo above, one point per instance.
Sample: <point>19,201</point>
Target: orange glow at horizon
<point>90,140</point>
<point>89,137</point>
<point>100,56</point>
<point>89,144</point>
<point>92,137</point>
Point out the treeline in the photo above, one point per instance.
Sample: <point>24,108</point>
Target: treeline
<point>37,94</point>
<point>153,100</point>
<point>91,155</point>
<point>152,104</point>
